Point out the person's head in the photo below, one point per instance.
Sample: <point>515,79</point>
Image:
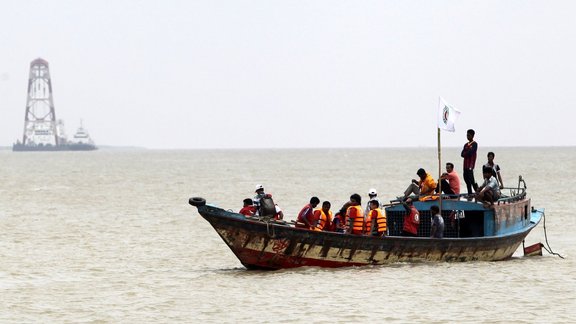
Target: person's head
<point>259,188</point>
<point>434,209</point>
<point>248,202</point>
<point>355,199</point>
<point>408,201</point>
<point>490,156</point>
<point>486,172</point>
<point>449,167</point>
<point>374,204</point>
<point>470,134</point>
<point>314,201</point>
<point>372,193</point>
<point>345,207</point>
<point>421,173</point>
<point>326,206</point>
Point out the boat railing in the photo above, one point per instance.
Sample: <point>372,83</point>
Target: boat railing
<point>512,194</point>
<point>507,194</point>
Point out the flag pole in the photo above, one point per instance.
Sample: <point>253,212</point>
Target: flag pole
<point>439,172</point>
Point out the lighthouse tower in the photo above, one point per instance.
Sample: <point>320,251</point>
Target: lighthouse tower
<point>40,125</point>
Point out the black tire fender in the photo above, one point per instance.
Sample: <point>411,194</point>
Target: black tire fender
<point>197,201</point>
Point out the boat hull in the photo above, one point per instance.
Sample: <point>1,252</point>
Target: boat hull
<point>53,148</point>
<point>273,245</point>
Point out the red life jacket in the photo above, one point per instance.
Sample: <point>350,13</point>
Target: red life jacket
<point>412,221</point>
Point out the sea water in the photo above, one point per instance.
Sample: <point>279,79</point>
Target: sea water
<point>109,236</point>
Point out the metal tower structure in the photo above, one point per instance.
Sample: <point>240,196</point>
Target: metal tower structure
<point>40,125</point>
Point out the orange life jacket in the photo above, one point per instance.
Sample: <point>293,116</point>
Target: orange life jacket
<point>380,217</point>
<point>324,220</point>
<point>358,225</point>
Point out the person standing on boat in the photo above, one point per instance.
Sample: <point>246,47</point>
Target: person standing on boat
<point>259,195</point>
<point>355,215</point>
<point>306,216</point>
<point>376,220</point>
<point>372,195</point>
<point>449,181</point>
<point>425,186</point>
<point>489,191</point>
<point>411,219</point>
<point>248,209</point>
<point>469,155</point>
<point>495,168</point>
<point>323,217</point>
<point>437,223</point>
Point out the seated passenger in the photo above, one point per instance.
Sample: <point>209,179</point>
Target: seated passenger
<point>279,213</point>
<point>424,187</point>
<point>323,217</point>
<point>372,195</point>
<point>376,220</point>
<point>306,216</point>
<point>248,209</point>
<point>449,181</point>
<point>355,215</point>
<point>489,191</point>
<point>495,168</point>
<point>339,223</point>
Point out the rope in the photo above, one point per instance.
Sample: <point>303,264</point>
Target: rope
<point>269,229</point>
<point>549,249</point>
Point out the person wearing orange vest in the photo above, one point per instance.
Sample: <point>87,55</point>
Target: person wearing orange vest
<point>424,187</point>
<point>411,219</point>
<point>323,217</point>
<point>355,215</point>
<point>376,220</point>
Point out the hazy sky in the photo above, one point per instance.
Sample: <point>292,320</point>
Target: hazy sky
<point>251,74</point>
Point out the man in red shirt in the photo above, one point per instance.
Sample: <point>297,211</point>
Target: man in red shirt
<point>449,181</point>
<point>306,216</point>
<point>411,219</point>
<point>248,209</point>
<point>469,155</point>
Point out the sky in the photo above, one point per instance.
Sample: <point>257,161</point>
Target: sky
<point>295,74</point>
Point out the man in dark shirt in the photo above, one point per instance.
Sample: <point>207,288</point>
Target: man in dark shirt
<point>437,223</point>
<point>469,155</point>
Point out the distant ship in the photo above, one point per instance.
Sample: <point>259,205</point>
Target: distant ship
<point>42,132</point>
<point>81,141</point>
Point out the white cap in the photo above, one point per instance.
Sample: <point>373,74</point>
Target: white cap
<point>372,192</point>
<point>258,187</point>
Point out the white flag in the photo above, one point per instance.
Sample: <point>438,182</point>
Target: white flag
<point>447,115</point>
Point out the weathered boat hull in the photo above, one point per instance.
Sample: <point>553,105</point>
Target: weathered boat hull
<point>272,245</point>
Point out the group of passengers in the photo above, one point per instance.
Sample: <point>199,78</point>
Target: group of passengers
<point>351,218</point>
<point>426,188</point>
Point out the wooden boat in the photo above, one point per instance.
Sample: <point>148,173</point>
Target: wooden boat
<point>476,233</point>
